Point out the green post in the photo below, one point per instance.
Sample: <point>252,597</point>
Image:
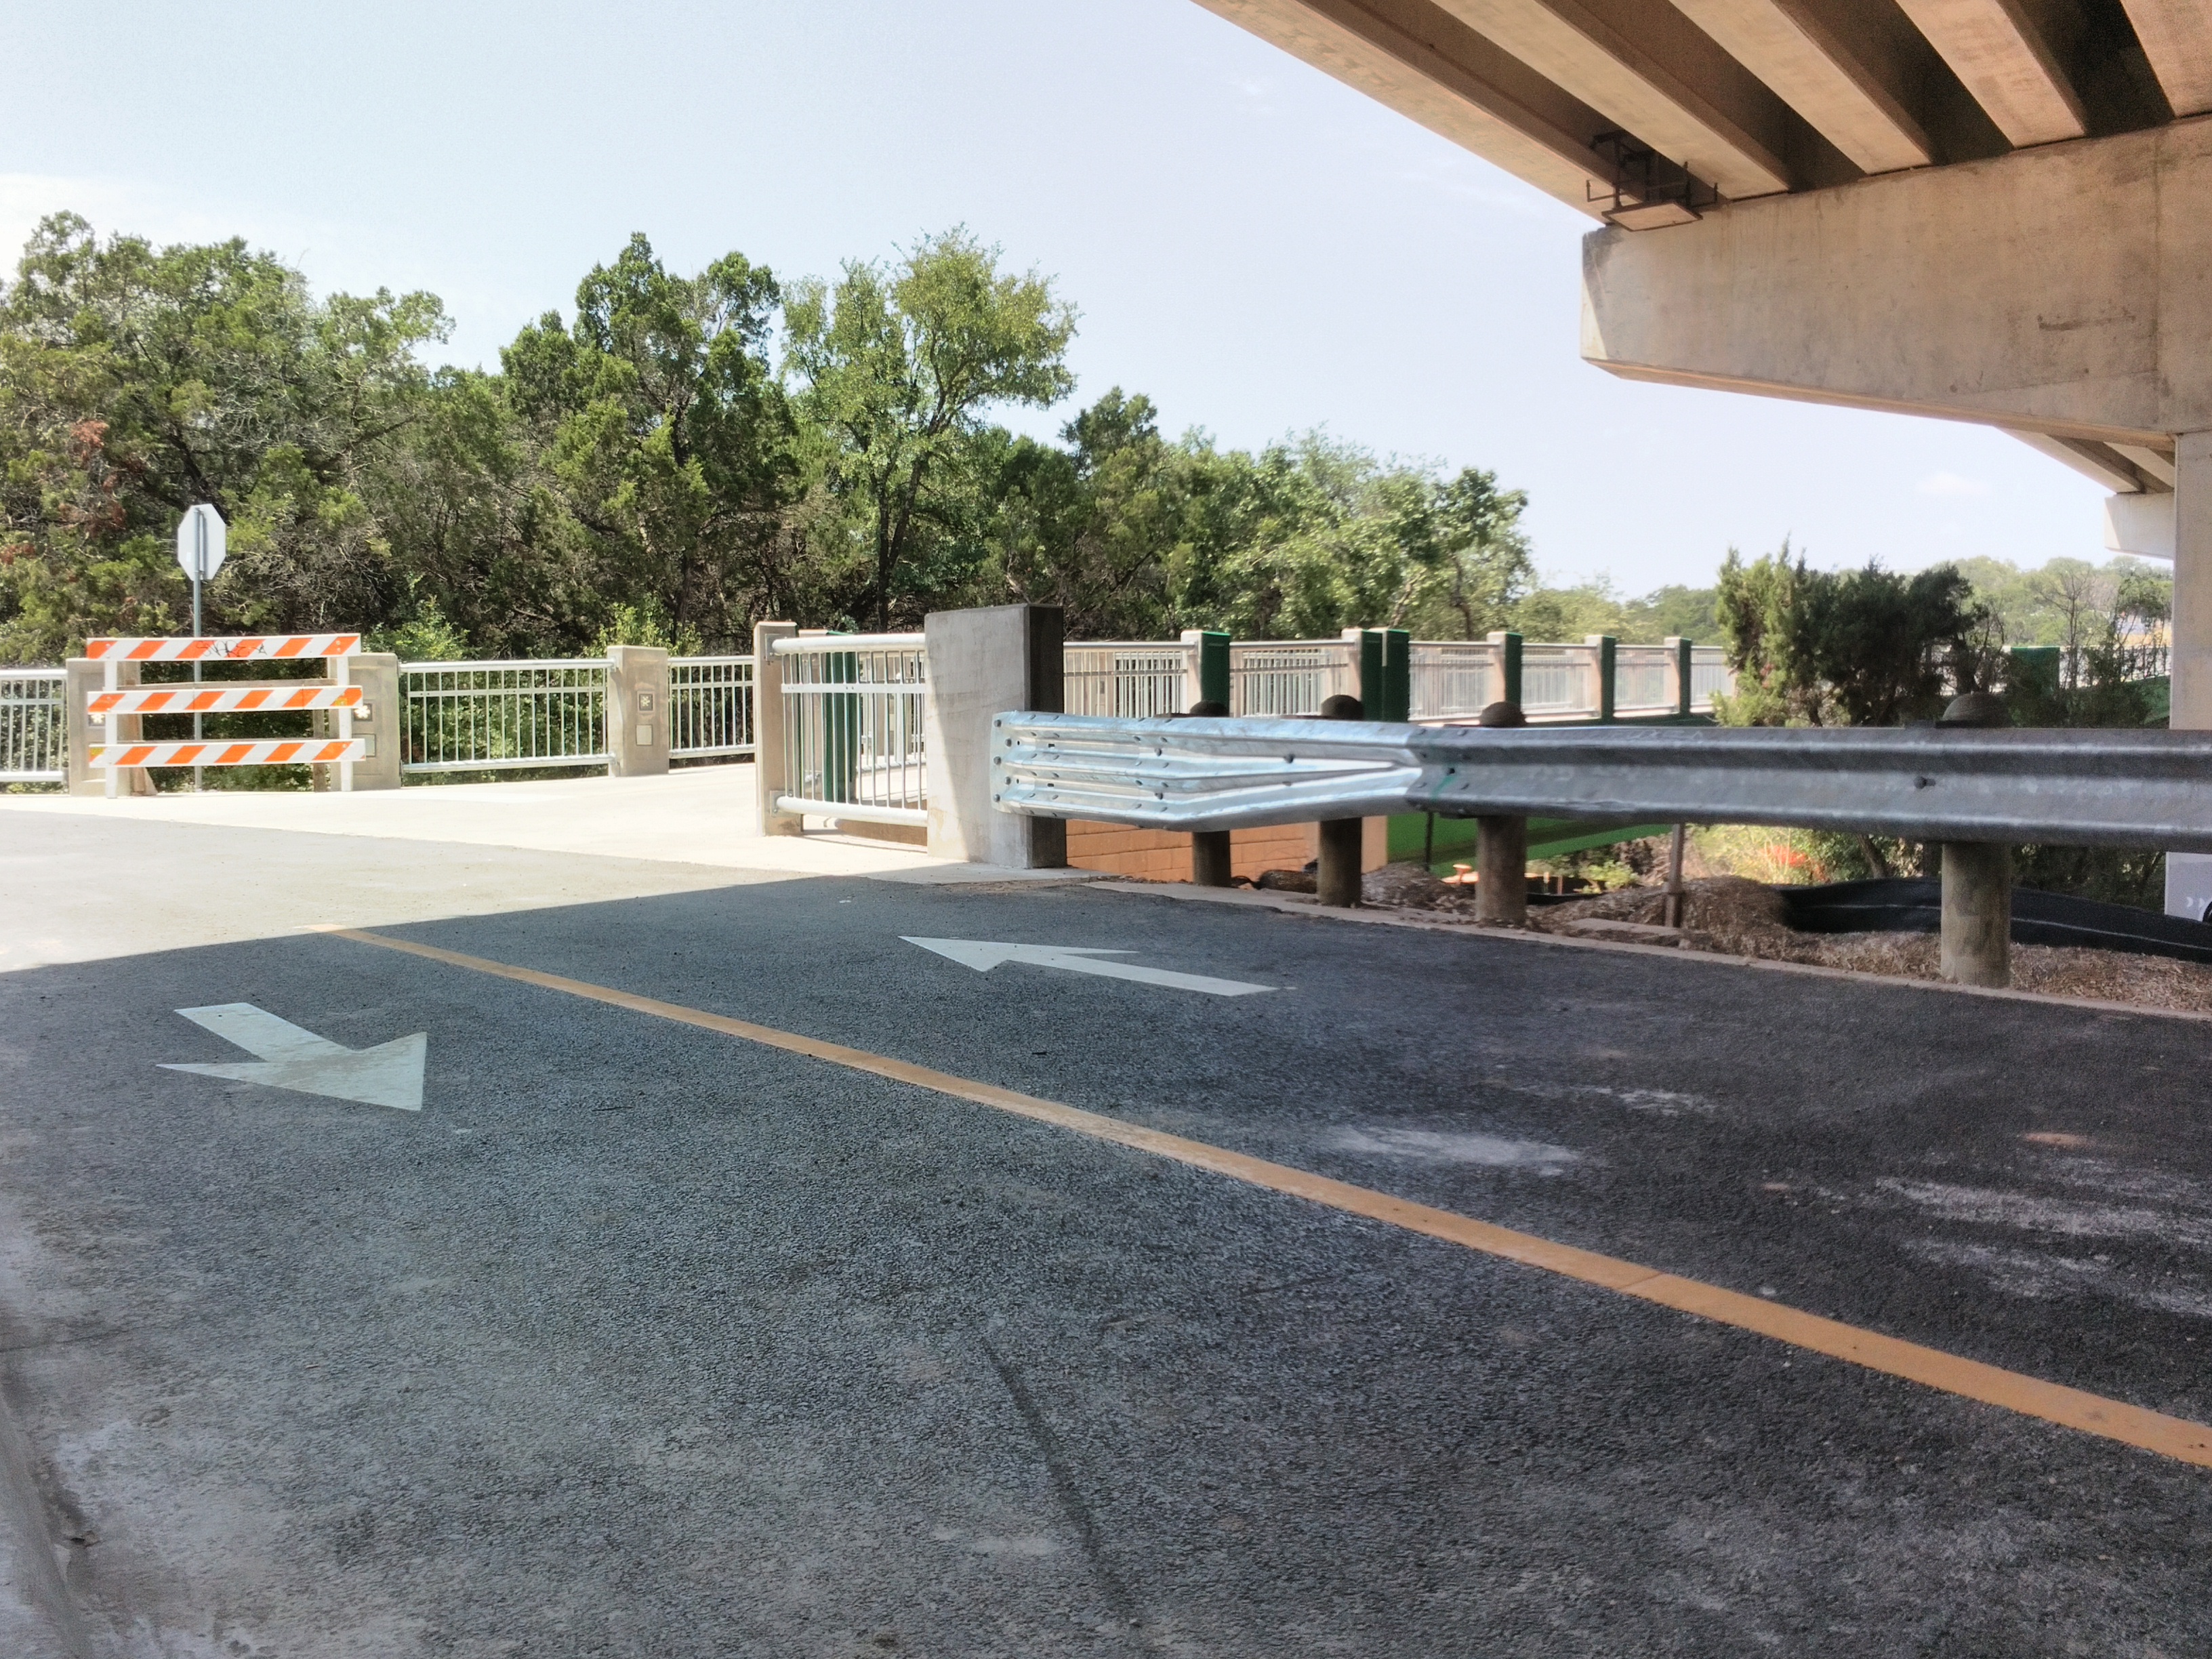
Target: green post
<point>1370,673</point>
<point>1686,662</point>
<point>840,729</point>
<point>1397,675</point>
<point>1609,661</point>
<point>1214,667</point>
<point>1509,666</point>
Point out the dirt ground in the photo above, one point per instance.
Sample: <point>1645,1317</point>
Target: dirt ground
<point>1729,915</point>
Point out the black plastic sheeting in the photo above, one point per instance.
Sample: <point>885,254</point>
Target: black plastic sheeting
<point>1915,904</point>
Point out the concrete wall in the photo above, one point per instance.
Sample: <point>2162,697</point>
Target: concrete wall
<point>983,663</point>
<point>637,711</point>
<point>2064,289</point>
<point>83,679</point>
<point>768,729</point>
<point>378,721</point>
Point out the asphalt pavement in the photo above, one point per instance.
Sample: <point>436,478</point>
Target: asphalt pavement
<point>642,1339</point>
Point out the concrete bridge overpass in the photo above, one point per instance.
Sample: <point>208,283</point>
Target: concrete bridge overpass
<point>1988,210</point>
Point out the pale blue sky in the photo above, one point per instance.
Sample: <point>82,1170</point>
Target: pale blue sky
<point>1258,248</point>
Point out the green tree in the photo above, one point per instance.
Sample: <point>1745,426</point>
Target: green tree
<point>667,447</point>
<point>136,382</point>
<point>896,366</point>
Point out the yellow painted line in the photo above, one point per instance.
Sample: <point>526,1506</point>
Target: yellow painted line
<point>2112,1419</point>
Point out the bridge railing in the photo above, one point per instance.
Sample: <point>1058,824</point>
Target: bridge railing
<point>852,720</point>
<point>33,726</point>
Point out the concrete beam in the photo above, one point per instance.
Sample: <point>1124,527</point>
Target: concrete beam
<point>1646,65</point>
<point>2176,38</point>
<point>2064,290</point>
<point>1849,68</point>
<point>2141,525</point>
<point>1415,59</point>
<point>2102,463</point>
<point>2002,50</point>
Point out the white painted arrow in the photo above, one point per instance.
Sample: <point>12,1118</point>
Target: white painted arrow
<point>390,1074</point>
<point>983,955</point>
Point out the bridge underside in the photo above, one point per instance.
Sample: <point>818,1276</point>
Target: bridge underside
<point>1987,210</point>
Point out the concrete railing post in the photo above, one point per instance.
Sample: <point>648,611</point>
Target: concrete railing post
<point>1682,669</point>
<point>1501,848</point>
<point>768,729</point>
<point>1976,938</point>
<point>380,721</point>
<point>1342,841</point>
<point>83,680</point>
<point>981,663</point>
<point>637,711</point>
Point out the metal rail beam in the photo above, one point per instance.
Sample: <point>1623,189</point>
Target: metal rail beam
<point>2095,788</point>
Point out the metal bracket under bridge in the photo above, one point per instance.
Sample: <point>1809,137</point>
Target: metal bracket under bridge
<point>2089,788</point>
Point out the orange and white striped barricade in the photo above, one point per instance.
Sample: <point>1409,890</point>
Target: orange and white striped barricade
<point>279,697</point>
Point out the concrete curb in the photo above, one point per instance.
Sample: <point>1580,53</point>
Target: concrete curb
<point>1309,908</point>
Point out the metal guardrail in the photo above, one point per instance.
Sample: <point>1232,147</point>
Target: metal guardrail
<point>34,727</point>
<point>498,716</point>
<point>710,707</point>
<point>2092,788</point>
<point>853,713</point>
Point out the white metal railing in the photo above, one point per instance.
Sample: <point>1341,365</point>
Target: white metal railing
<point>496,716</point>
<point>1135,682</point>
<point>853,710</point>
<point>1709,673</point>
<point>710,707</point>
<point>34,727</point>
<point>1558,681</point>
<point>1452,681</point>
<point>1280,678</point>
<point>1643,680</point>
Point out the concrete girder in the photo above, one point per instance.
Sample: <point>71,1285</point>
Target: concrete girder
<point>2108,465</point>
<point>1412,57</point>
<point>1648,66</point>
<point>2064,290</point>
<point>1849,68</point>
<point>2000,50</point>
<point>2177,37</point>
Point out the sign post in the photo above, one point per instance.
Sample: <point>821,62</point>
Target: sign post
<point>200,547</point>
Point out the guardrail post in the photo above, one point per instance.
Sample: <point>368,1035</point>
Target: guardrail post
<point>637,711</point>
<point>1212,857</point>
<point>1342,841</point>
<point>769,749</point>
<point>1976,938</point>
<point>1608,673</point>
<point>1685,671</point>
<point>983,663</point>
<point>1508,645</point>
<point>1501,848</point>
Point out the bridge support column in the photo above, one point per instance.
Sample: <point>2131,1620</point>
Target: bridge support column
<point>2189,875</point>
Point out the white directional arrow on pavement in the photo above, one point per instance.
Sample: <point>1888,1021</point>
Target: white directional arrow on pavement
<point>390,1074</point>
<point>983,955</point>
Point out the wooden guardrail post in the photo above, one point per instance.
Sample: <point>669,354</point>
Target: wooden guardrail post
<point>1336,878</point>
<point>1501,848</point>
<point>1977,922</point>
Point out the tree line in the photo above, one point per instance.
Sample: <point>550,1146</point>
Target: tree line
<point>678,457</point>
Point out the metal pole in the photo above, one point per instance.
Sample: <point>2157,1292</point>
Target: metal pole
<point>1673,912</point>
<point>199,569</point>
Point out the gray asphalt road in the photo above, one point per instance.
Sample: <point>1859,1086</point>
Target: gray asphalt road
<point>642,1340</point>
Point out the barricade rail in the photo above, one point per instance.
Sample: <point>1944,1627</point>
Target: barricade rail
<point>115,703</point>
<point>2089,788</point>
<point>33,726</point>
<point>854,707</point>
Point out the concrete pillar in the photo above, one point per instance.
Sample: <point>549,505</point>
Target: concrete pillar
<point>768,729</point>
<point>1976,912</point>
<point>637,711</point>
<point>83,679</point>
<point>380,721</point>
<point>985,663</point>
<point>2189,875</point>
